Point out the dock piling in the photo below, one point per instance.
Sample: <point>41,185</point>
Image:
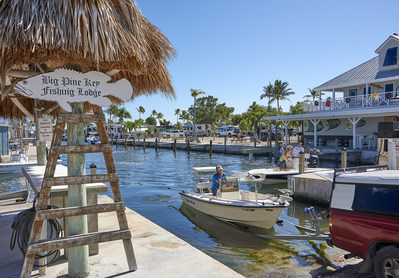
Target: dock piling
<point>301,163</point>
<point>210,147</point>
<point>225,144</point>
<point>344,158</point>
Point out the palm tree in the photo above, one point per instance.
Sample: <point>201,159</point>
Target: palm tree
<point>123,114</point>
<point>268,93</point>
<point>280,92</point>
<point>313,94</point>
<point>141,110</point>
<point>177,112</point>
<point>194,94</point>
<point>112,110</point>
<point>129,125</point>
<point>185,116</point>
<point>137,124</point>
<point>159,117</point>
<point>154,113</point>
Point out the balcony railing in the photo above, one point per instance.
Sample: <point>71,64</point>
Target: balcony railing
<point>360,101</point>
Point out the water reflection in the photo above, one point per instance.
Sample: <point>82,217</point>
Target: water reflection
<point>145,177</point>
<point>226,233</point>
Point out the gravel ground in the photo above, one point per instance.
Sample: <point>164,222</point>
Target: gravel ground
<point>349,269</point>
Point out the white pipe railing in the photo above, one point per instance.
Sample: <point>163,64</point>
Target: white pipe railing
<point>349,102</point>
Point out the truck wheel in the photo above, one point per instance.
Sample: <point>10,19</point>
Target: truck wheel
<point>386,262</point>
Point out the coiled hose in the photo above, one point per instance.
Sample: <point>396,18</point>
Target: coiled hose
<point>22,227</point>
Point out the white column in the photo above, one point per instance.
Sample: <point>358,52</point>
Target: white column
<point>315,122</point>
<point>320,100</point>
<point>354,121</point>
<point>367,89</point>
<point>286,123</point>
<point>333,100</point>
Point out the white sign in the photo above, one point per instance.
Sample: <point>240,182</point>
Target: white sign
<point>66,86</point>
<point>45,129</point>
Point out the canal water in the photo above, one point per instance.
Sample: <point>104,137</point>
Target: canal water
<point>146,175</point>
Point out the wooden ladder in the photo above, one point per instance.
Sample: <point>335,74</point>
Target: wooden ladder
<point>42,213</point>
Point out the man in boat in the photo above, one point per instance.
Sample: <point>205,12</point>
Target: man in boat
<point>217,177</point>
<point>295,155</point>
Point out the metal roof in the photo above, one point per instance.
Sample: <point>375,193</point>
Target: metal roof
<point>347,113</point>
<point>362,74</point>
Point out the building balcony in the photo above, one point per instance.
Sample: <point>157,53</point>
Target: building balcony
<point>350,102</point>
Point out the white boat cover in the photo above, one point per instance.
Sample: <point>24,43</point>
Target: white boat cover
<point>205,169</point>
<point>387,177</point>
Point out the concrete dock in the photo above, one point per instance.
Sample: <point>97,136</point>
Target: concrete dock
<point>158,252</point>
<point>315,186</point>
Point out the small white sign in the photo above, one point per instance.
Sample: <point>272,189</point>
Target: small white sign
<point>66,86</point>
<point>45,129</point>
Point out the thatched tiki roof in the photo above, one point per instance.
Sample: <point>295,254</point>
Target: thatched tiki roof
<point>109,36</point>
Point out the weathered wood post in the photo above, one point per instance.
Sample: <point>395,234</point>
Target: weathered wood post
<point>40,145</point>
<point>125,142</point>
<point>225,144</point>
<point>144,142</point>
<point>210,148</point>
<point>134,143</point>
<point>156,144</point>
<point>78,257</point>
<point>188,146</point>
<point>174,146</point>
<point>116,142</point>
<point>301,163</point>
<point>344,158</point>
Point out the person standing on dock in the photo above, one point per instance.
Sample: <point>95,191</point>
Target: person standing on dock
<point>280,151</point>
<point>295,155</point>
<point>217,177</point>
<point>285,157</point>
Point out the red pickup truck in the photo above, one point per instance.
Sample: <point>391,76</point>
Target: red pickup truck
<point>364,217</point>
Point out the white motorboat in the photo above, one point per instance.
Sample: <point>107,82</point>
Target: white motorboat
<point>233,204</point>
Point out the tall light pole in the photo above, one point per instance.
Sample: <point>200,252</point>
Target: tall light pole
<point>195,93</point>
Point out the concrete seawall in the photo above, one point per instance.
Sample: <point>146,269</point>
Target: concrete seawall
<point>312,187</point>
<point>158,252</point>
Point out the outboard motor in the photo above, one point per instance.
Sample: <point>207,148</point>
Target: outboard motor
<point>314,158</point>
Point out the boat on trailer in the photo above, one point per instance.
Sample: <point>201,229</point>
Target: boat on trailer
<point>232,204</point>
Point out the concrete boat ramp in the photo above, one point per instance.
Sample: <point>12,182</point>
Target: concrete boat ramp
<point>158,252</point>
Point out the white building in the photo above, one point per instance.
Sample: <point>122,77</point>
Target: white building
<point>368,96</point>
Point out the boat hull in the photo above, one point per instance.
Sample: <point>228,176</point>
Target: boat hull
<point>248,215</point>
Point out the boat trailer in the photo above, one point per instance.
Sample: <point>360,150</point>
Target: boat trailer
<point>313,234</point>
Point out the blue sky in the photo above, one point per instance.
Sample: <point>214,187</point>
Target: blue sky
<point>231,49</point>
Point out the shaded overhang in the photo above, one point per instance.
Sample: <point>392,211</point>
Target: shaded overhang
<point>350,113</point>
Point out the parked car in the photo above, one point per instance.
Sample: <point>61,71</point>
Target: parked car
<point>364,217</point>
<point>293,131</point>
<point>229,131</point>
<point>173,134</point>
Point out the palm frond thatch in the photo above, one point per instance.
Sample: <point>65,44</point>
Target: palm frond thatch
<point>99,35</point>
